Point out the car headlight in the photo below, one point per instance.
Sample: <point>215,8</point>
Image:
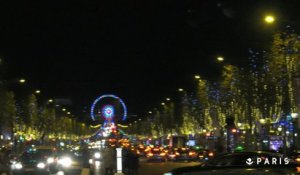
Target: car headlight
<point>168,173</point>
<point>16,166</point>
<point>41,165</point>
<point>97,155</point>
<point>65,161</point>
<point>50,160</point>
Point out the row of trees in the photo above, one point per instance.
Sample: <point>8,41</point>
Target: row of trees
<point>30,119</point>
<point>264,88</point>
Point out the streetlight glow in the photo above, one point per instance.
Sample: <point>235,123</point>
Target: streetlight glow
<point>220,59</point>
<point>180,90</point>
<point>69,113</point>
<point>37,91</point>
<point>163,104</point>
<point>197,77</point>
<point>50,100</point>
<point>22,80</point>
<point>269,19</point>
<point>150,112</point>
<point>168,99</point>
<point>63,109</point>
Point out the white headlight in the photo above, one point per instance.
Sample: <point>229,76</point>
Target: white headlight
<point>16,166</point>
<point>41,165</point>
<point>97,155</point>
<point>167,173</point>
<point>65,161</point>
<point>60,173</point>
<point>50,160</point>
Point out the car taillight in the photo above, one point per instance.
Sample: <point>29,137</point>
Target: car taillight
<point>162,154</point>
<point>191,153</point>
<point>150,154</point>
<point>210,154</point>
<point>298,169</point>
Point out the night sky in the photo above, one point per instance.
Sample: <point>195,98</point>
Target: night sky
<point>142,51</point>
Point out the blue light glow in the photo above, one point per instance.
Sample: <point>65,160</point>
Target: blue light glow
<point>108,112</point>
<point>109,96</point>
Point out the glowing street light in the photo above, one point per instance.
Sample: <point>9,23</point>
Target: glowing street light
<point>22,80</point>
<point>69,113</point>
<point>150,112</point>
<point>168,99</point>
<point>163,104</point>
<point>37,91</point>
<point>197,77</point>
<point>220,59</point>
<point>269,19</point>
<point>64,109</point>
<point>50,100</point>
<point>180,90</point>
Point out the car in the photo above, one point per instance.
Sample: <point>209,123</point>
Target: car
<point>156,155</point>
<point>295,155</point>
<point>62,161</point>
<point>33,161</point>
<point>205,154</point>
<point>246,163</point>
<point>38,160</point>
<point>141,150</point>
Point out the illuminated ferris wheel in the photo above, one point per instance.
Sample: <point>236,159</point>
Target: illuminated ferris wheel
<point>108,111</point>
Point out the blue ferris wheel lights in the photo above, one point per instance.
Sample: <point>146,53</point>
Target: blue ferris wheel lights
<point>108,112</point>
<point>109,96</point>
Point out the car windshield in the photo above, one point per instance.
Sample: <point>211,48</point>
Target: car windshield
<point>36,155</point>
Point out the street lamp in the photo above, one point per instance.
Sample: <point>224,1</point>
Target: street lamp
<point>168,99</point>
<point>163,104</point>
<point>269,19</point>
<point>37,91</point>
<point>197,77</point>
<point>180,90</point>
<point>64,109</point>
<point>22,81</point>
<point>50,100</point>
<point>220,59</point>
<point>150,112</point>
<point>69,113</point>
